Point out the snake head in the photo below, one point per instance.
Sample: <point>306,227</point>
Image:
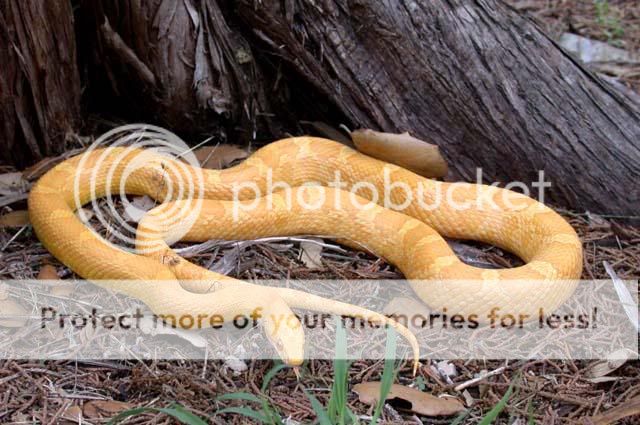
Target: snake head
<point>285,332</point>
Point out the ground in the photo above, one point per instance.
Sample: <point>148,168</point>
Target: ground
<point>547,392</point>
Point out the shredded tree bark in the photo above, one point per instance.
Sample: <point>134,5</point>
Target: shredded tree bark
<point>475,78</point>
<point>39,80</point>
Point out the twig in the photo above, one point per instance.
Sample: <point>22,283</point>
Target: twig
<point>479,378</point>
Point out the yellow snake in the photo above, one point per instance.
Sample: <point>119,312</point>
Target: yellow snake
<point>411,239</point>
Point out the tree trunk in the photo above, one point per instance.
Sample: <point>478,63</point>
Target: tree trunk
<point>175,63</point>
<point>475,78</point>
<point>39,81</point>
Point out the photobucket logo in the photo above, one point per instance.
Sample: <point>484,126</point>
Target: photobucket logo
<point>130,157</point>
<point>396,194</point>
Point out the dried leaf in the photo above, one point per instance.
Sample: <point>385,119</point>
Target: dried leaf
<point>15,219</point>
<point>626,409</point>
<point>235,364</point>
<point>419,402</point>
<point>402,149</point>
<point>138,207</point>
<point>12,314</point>
<point>152,327</point>
<point>597,222</point>
<point>601,368</point>
<point>48,272</point>
<point>220,156</point>
<point>72,413</point>
<point>104,408</point>
<point>446,369</point>
<point>589,50</point>
<point>12,183</point>
<point>626,299</point>
<point>311,254</point>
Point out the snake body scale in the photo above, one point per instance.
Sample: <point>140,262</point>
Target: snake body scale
<point>411,239</point>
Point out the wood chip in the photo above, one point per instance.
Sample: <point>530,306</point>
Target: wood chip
<point>419,402</point>
<point>402,149</point>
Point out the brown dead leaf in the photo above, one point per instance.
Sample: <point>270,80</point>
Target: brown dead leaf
<point>220,156</point>
<point>12,314</point>
<point>95,409</point>
<point>15,219</point>
<point>48,272</point>
<point>419,402</point>
<point>311,254</point>
<point>628,408</point>
<point>72,413</point>
<point>402,149</point>
<point>597,370</point>
<point>61,288</point>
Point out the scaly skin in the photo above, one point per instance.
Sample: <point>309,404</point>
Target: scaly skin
<point>412,240</point>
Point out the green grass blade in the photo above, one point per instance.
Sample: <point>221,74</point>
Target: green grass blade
<point>270,415</point>
<point>270,375</point>
<point>183,415</point>
<point>531,420</point>
<point>352,417</point>
<point>337,407</point>
<point>247,412</point>
<point>498,408</point>
<point>175,410</point>
<point>128,413</point>
<point>321,413</point>
<point>388,373</point>
<point>270,412</point>
<point>461,417</point>
<point>240,396</point>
